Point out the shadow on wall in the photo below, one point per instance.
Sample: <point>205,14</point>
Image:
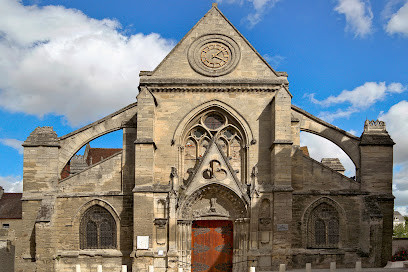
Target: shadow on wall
<point>7,251</point>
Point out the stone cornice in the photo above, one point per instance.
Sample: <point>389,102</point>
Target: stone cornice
<point>242,82</point>
<point>215,89</point>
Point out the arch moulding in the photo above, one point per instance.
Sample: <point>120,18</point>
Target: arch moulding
<point>74,141</point>
<point>342,218</point>
<point>346,141</point>
<point>182,125</point>
<point>76,219</point>
<point>77,216</point>
<point>212,201</point>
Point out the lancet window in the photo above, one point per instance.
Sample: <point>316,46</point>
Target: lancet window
<point>323,227</point>
<point>220,128</point>
<point>97,229</point>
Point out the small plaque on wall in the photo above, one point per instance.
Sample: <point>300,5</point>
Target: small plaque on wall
<point>283,227</point>
<point>142,242</point>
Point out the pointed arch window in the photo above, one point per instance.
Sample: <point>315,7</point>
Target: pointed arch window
<point>220,128</point>
<point>323,227</point>
<point>97,229</point>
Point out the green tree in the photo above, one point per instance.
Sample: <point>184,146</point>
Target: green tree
<point>400,231</point>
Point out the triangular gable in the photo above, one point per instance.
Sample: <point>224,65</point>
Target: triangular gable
<point>214,168</point>
<point>177,64</point>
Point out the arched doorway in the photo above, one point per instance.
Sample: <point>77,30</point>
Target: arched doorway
<point>213,230</point>
<point>212,245</point>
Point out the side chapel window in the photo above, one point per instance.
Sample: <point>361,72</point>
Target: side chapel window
<point>97,229</point>
<point>323,227</point>
<point>217,126</point>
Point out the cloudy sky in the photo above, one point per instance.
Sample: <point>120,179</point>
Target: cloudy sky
<point>66,63</point>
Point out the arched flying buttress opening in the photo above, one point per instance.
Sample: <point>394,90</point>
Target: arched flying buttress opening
<point>344,140</point>
<point>320,147</point>
<point>93,152</point>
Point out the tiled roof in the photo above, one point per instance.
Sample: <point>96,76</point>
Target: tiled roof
<point>11,206</point>
<point>97,154</point>
<point>305,150</point>
<point>333,163</point>
<point>66,171</point>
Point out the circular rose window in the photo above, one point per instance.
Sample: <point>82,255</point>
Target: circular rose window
<point>213,121</point>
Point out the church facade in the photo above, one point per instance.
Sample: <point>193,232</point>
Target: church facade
<point>211,176</point>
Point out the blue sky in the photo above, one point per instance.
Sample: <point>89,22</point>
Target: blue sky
<point>68,63</point>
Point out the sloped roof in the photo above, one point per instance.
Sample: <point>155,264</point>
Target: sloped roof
<point>333,163</point>
<point>11,206</point>
<point>305,150</point>
<point>95,155</point>
<point>213,22</point>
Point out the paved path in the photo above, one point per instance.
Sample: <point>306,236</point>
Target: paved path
<point>352,270</point>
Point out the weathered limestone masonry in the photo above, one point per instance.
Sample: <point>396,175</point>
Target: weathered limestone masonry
<point>10,222</point>
<point>211,175</point>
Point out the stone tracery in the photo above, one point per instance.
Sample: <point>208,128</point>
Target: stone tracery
<point>215,126</point>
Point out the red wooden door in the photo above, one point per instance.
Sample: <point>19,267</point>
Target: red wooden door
<point>212,245</point>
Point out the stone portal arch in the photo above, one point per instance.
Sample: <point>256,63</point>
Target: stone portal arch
<point>346,141</point>
<point>213,201</point>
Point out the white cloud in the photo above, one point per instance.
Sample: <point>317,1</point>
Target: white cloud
<point>352,131</point>
<point>360,98</point>
<point>390,8</point>
<point>58,60</point>
<point>11,184</point>
<point>331,116</point>
<point>322,148</point>
<point>13,143</point>
<point>402,209</point>
<point>363,96</point>
<point>275,60</point>
<point>396,121</point>
<point>398,22</point>
<point>358,14</point>
<point>260,7</point>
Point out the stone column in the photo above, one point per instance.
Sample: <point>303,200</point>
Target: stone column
<point>172,226</point>
<point>40,174</point>
<point>143,195</point>
<point>128,161</point>
<point>281,179</point>
<point>376,149</point>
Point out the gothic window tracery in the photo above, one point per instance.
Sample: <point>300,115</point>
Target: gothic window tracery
<point>97,229</point>
<point>220,128</point>
<point>323,227</point>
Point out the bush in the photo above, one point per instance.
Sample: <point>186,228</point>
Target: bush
<point>400,255</point>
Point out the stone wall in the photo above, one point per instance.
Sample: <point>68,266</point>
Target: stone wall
<point>8,238</point>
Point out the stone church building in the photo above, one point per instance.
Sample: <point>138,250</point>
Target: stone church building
<point>211,176</point>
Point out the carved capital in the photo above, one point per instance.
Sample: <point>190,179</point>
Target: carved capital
<point>160,222</point>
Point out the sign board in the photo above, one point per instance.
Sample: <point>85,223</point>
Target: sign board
<point>142,242</point>
<point>283,227</point>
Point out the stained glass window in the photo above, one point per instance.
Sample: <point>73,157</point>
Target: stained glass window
<point>323,227</point>
<point>213,128</point>
<point>97,229</point>
<point>214,121</point>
